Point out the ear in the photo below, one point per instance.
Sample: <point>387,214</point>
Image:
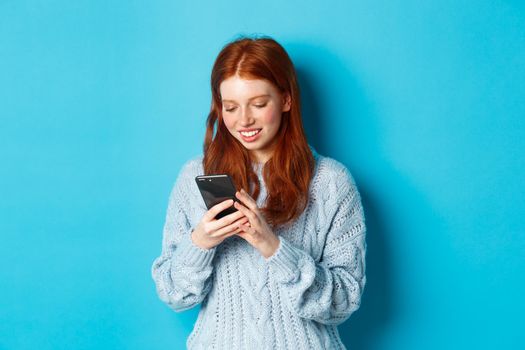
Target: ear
<point>287,102</point>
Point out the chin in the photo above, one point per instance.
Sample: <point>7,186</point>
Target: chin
<point>250,146</point>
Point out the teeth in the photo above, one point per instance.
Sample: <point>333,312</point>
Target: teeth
<point>251,133</point>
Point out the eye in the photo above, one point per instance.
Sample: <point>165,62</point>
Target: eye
<point>260,105</point>
<point>231,109</point>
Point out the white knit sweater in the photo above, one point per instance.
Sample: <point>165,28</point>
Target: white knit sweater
<point>292,300</point>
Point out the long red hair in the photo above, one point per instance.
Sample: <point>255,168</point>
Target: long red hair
<point>287,174</point>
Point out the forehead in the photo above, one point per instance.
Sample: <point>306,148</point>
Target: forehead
<point>236,88</point>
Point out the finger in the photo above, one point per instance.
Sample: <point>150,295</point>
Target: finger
<point>238,232</point>
<point>217,208</point>
<point>247,229</point>
<point>215,225</point>
<point>228,219</point>
<point>238,229</point>
<point>249,214</point>
<point>247,200</point>
<point>229,228</point>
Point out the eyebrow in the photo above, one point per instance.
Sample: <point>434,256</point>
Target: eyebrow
<point>254,97</point>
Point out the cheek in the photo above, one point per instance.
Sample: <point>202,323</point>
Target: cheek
<point>228,121</point>
<point>271,118</point>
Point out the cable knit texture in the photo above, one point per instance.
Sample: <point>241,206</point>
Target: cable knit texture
<point>293,299</point>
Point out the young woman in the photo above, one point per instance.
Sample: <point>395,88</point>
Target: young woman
<point>289,265</point>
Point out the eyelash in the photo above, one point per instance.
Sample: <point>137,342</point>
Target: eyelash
<point>257,106</point>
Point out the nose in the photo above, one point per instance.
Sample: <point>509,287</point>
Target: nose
<point>246,117</point>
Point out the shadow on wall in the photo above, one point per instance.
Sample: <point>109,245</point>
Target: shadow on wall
<point>326,84</point>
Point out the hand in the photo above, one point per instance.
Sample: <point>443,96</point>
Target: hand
<point>210,232</point>
<point>258,233</point>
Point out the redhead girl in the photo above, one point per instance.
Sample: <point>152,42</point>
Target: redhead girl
<point>286,268</point>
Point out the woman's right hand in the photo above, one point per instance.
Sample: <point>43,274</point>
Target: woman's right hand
<point>210,232</point>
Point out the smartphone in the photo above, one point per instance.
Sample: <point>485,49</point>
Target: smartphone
<point>215,189</point>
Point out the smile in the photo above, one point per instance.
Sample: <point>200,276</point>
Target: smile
<point>250,133</point>
<point>250,136</point>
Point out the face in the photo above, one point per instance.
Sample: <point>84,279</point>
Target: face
<point>252,111</point>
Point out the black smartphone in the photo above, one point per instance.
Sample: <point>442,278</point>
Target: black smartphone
<point>215,189</point>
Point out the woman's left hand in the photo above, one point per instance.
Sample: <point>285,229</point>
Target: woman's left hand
<point>258,233</point>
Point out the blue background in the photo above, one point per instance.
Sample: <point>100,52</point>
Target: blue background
<point>102,102</point>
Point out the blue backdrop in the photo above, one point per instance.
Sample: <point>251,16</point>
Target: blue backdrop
<point>102,102</point>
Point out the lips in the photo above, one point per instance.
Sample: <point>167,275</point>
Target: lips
<point>252,135</point>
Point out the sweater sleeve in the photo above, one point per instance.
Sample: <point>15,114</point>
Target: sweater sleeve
<point>182,272</point>
<point>328,291</point>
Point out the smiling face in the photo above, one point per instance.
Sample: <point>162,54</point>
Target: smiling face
<point>252,111</point>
